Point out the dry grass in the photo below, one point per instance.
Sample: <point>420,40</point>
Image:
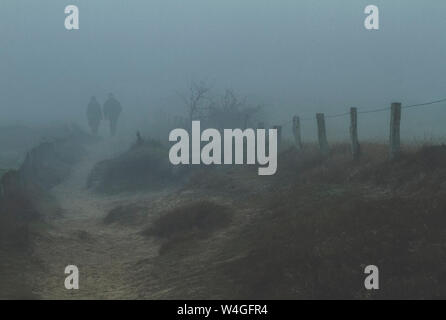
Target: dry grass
<point>308,232</point>
<point>188,222</point>
<point>210,179</point>
<point>319,222</point>
<point>126,215</point>
<point>334,217</point>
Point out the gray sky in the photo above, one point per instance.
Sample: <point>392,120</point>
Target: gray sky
<point>296,56</point>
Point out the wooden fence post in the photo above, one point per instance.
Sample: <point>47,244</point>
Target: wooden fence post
<point>321,133</point>
<point>296,132</point>
<point>279,136</point>
<point>355,147</point>
<point>395,119</point>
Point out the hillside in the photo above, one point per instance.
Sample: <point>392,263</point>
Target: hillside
<point>305,233</point>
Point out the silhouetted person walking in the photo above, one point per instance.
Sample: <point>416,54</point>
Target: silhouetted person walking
<point>112,109</point>
<point>94,115</point>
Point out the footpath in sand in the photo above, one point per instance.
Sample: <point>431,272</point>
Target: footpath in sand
<point>103,253</point>
<point>116,261</point>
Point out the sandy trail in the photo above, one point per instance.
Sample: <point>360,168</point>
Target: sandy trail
<point>106,255</point>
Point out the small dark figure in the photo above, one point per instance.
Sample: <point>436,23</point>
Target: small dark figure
<point>112,109</point>
<point>94,115</point>
<point>139,139</point>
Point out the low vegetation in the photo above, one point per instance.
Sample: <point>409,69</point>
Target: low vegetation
<point>188,222</point>
<point>126,215</point>
<point>146,165</point>
<point>320,221</point>
<point>26,207</point>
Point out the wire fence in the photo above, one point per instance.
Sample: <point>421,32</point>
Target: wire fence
<point>345,114</point>
<point>394,133</point>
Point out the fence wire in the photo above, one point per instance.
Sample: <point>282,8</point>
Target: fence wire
<point>344,114</point>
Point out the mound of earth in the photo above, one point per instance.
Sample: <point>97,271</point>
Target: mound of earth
<point>24,196</point>
<point>50,163</point>
<point>26,206</point>
<point>188,222</point>
<point>16,141</point>
<point>18,216</point>
<point>22,204</point>
<point>16,210</point>
<point>126,215</point>
<point>145,165</point>
<point>312,230</point>
<point>423,170</point>
<point>2,172</point>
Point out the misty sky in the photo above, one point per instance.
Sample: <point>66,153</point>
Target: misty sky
<point>295,56</point>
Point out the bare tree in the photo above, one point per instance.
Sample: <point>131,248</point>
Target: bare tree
<point>230,102</point>
<point>229,111</point>
<point>235,111</point>
<point>198,95</point>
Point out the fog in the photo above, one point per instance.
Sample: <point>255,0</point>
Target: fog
<point>108,180</point>
<point>294,57</point>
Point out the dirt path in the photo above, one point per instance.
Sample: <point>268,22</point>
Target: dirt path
<point>104,254</point>
<point>115,261</point>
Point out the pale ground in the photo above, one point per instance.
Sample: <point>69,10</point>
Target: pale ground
<point>115,261</point>
<point>104,254</point>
